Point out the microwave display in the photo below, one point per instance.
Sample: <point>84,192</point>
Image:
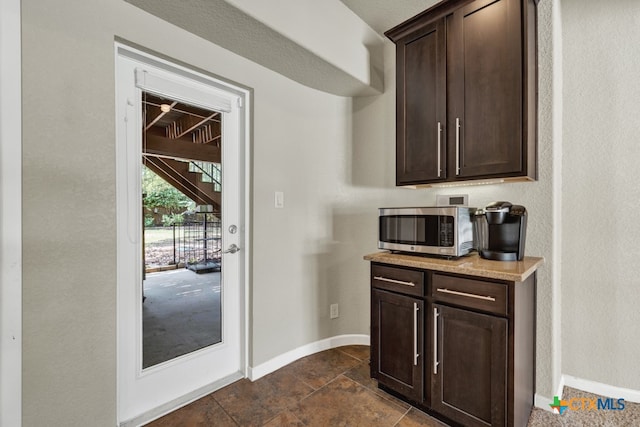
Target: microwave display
<point>419,230</point>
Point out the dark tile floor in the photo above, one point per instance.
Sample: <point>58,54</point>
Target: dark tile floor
<point>333,388</point>
<point>330,388</point>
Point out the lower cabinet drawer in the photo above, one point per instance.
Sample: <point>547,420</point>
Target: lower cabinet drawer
<point>403,280</point>
<point>478,294</point>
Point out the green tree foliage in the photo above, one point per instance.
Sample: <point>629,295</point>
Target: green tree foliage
<point>157,193</point>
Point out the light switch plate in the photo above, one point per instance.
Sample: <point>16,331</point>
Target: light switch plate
<point>279,199</point>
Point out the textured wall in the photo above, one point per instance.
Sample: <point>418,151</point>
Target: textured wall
<point>601,255</point>
<point>69,358</point>
<point>300,145</point>
<point>306,256</point>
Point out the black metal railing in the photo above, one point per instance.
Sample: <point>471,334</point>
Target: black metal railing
<point>211,172</point>
<point>195,243</point>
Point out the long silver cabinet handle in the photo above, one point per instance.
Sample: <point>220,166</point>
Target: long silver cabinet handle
<point>435,340</point>
<point>457,146</point>
<point>464,294</point>
<point>439,143</point>
<point>415,333</point>
<point>398,282</point>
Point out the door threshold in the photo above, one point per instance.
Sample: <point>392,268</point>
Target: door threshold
<point>168,407</point>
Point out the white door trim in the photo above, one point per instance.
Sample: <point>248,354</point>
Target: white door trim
<point>241,104</point>
<point>10,215</point>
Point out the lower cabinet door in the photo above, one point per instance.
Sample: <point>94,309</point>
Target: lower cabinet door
<point>469,369</point>
<point>396,342</point>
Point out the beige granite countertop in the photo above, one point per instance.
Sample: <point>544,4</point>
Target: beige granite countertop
<point>471,265</point>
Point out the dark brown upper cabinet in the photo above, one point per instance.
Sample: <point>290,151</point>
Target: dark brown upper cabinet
<point>466,96</point>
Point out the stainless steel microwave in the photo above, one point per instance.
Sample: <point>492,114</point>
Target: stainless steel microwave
<point>442,230</point>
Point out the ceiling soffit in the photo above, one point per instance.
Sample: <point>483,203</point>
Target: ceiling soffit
<point>228,27</point>
<point>382,15</point>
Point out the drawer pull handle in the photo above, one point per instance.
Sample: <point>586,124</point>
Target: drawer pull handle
<point>415,334</point>
<point>464,294</point>
<point>398,282</point>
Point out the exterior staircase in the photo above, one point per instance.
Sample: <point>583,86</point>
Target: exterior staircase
<point>199,181</point>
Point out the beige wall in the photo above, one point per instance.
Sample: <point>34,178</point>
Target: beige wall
<point>601,255</point>
<point>306,255</point>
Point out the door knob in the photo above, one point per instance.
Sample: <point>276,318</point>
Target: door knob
<point>233,248</point>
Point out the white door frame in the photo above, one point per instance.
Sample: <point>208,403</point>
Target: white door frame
<point>10,215</point>
<point>141,412</point>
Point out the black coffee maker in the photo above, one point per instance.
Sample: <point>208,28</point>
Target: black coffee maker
<point>501,231</point>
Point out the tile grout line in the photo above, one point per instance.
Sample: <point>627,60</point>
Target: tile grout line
<point>282,412</point>
<point>385,395</point>
<point>350,355</point>
<point>402,417</point>
<point>307,396</point>
<point>297,417</point>
<point>224,409</point>
<point>376,394</point>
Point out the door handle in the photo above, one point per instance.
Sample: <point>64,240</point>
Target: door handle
<point>439,143</point>
<point>458,146</point>
<point>233,248</point>
<point>415,334</point>
<point>435,340</point>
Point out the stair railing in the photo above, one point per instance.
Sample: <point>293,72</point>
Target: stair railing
<point>211,171</point>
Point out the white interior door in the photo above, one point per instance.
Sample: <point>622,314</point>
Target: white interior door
<point>146,393</point>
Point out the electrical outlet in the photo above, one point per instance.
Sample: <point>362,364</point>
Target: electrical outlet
<point>333,311</point>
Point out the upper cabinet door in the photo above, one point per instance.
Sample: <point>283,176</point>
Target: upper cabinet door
<point>421,105</point>
<point>485,89</point>
<point>466,76</point>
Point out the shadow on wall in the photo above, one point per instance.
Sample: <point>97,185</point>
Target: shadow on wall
<point>373,142</point>
<point>376,64</point>
<point>341,275</point>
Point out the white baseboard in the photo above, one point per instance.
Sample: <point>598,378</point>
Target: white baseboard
<point>542,402</point>
<point>589,386</point>
<point>601,389</point>
<point>278,362</point>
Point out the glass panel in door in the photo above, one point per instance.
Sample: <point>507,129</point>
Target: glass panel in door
<point>182,220</point>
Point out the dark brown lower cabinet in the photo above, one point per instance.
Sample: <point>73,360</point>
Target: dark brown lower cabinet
<point>469,378</point>
<point>397,324</point>
<point>469,358</point>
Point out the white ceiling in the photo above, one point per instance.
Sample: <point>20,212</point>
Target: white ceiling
<point>382,15</point>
